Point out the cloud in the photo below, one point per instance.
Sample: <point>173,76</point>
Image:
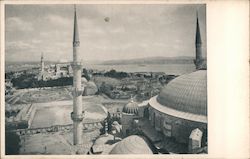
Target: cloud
<point>58,20</point>
<point>18,45</point>
<point>36,41</point>
<point>17,24</point>
<point>133,31</point>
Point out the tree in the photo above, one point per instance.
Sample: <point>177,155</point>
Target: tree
<point>86,74</point>
<point>12,143</point>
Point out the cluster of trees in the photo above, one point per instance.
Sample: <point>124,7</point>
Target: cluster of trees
<point>11,113</point>
<point>85,74</point>
<point>17,125</point>
<point>9,75</point>
<point>12,143</point>
<point>166,79</point>
<point>109,120</point>
<point>29,81</point>
<point>106,88</point>
<point>114,74</point>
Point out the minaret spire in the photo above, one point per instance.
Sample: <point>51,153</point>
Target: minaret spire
<point>77,114</point>
<point>198,34</point>
<point>199,61</point>
<point>42,63</point>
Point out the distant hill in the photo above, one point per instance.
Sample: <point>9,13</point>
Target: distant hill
<point>152,60</point>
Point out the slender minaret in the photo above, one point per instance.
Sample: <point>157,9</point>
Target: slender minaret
<point>42,63</point>
<point>198,45</point>
<point>77,114</point>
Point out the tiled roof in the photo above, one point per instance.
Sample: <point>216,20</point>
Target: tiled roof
<point>186,93</point>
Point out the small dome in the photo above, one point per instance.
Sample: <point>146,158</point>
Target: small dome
<point>84,80</point>
<point>104,139</point>
<point>187,93</point>
<point>130,108</point>
<point>91,84</point>
<point>90,88</point>
<point>115,123</point>
<point>132,145</point>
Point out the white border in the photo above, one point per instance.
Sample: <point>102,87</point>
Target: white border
<point>228,77</point>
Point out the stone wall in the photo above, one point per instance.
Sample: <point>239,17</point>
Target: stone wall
<point>171,126</point>
<point>126,122</point>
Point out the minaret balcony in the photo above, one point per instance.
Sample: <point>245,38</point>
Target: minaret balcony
<point>76,65</point>
<point>77,91</point>
<point>77,118</point>
<point>76,43</point>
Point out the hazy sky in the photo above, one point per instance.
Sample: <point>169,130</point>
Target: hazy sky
<point>132,31</point>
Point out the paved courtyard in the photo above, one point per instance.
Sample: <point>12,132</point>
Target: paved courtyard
<point>58,113</point>
<point>59,143</point>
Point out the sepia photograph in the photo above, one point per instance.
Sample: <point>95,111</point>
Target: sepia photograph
<point>105,79</point>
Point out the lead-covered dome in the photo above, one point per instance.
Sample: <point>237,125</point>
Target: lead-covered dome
<point>131,108</point>
<point>133,144</point>
<point>186,93</point>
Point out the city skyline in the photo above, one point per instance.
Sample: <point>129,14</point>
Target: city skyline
<point>131,31</point>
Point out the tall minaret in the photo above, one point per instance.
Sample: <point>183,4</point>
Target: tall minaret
<point>77,114</point>
<point>42,63</point>
<point>198,45</point>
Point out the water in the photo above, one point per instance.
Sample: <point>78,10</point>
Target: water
<point>175,69</point>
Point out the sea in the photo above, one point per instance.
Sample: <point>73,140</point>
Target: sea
<point>170,69</point>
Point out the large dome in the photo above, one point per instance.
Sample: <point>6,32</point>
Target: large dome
<point>186,93</point>
<point>132,145</point>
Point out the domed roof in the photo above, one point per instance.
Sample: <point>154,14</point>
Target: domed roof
<point>186,93</point>
<point>84,80</point>
<point>130,108</point>
<point>103,139</point>
<point>132,145</point>
<point>91,84</point>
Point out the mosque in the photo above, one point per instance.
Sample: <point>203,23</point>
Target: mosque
<point>175,121</point>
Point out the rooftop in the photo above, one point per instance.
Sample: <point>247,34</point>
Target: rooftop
<point>186,93</point>
<point>132,145</point>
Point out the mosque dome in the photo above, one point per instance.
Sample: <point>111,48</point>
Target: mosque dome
<point>84,80</point>
<point>91,84</point>
<point>130,108</point>
<point>103,139</point>
<point>186,93</point>
<point>90,88</point>
<point>133,144</point>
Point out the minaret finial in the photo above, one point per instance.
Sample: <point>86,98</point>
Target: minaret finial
<point>131,98</point>
<point>42,56</point>
<point>74,7</point>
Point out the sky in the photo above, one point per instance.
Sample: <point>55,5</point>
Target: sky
<point>133,31</point>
